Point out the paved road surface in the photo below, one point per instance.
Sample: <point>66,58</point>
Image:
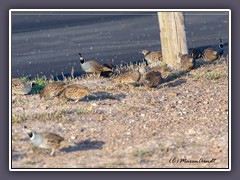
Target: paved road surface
<point>45,43</point>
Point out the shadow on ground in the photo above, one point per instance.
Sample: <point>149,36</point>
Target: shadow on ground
<point>101,95</point>
<point>84,145</point>
<point>176,83</point>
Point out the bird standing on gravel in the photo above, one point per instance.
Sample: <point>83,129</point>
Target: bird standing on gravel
<point>211,54</point>
<point>92,67</point>
<point>21,87</point>
<point>130,77</point>
<point>187,62</point>
<point>153,58</point>
<point>153,79</point>
<point>47,140</point>
<point>196,53</point>
<point>53,89</point>
<point>75,92</point>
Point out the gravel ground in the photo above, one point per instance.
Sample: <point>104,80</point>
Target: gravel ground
<point>185,119</point>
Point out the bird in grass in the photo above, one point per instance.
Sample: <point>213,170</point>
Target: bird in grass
<point>92,66</point>
<point>196,53</point>
<point>53,89</point>
<point>75,92</point>
<point>21,87</point>
<point>187,62</point>
<point>211,54</point>
<point>130,77</point>
<point>108,73</point>
<point>153,57</point>
<point>47,140</point>
<point>153,79</point>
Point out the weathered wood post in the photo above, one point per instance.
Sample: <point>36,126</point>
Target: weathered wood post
<point>173,37</point>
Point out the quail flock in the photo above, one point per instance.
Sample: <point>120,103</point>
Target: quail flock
<point>152,72</point>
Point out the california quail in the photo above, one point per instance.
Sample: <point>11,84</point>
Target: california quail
<point>21,87</point>
<point>92,67</point>
<point>47,140</point>
<point>53,89</point>
<point>196,53</point>
<point>130,77</point>
<point>212,54</point>
<point>153,79</point>
<point>75,92</point>
<point>153,57</point>
<point>187,62</point>
<point>164,70</point>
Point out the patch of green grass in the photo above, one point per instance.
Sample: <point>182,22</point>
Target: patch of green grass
<point>213,75</point>
<point>60,115</point>
<point>39,84</point>
<point>25,79</point>
<point>208,75</point>
<point>142,153</point>
<point>84,110</point>
<point>196,76</point>
<point>136,89</point>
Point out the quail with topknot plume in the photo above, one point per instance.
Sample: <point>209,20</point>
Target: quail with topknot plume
<point>47,140</point>
<point>92,66</point>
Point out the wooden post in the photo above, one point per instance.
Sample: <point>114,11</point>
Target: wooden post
<point>173,37</point>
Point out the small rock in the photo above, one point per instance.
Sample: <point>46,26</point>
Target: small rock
<point>101,118</point>
<point>43,107</point>
<point>73,137</point>
<point>18,109</point>
<point>191,131</point>
<point>128,133</point>
<point>224,109</point>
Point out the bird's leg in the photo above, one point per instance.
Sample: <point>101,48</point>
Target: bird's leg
<point>76,101</point>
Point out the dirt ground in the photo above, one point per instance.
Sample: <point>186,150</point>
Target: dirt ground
<point>182,123</point>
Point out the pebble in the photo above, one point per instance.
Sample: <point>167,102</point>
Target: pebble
<point>191,131</point>
<point>101,118</point>
<point>43,107</point>
<point>73,137</point>
<point>224,109</point>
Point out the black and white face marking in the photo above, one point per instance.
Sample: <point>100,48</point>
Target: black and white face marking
<point>221,44</point>
<point>30,134</point>
<point>82,60</point>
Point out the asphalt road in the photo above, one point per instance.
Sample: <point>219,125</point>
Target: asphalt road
<point>45,43</point>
